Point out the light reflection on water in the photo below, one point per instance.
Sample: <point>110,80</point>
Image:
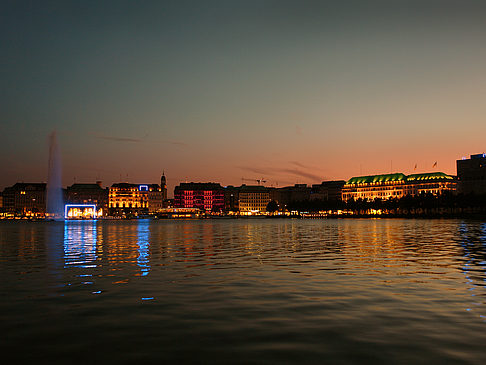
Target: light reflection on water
<point>80,243</point>
<point>143,259</point>
<point>473,241</point>
<point>247,291</point>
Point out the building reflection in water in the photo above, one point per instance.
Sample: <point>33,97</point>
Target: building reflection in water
<point>473,242</point>
<point>143,234</point>
<point>80,239</point>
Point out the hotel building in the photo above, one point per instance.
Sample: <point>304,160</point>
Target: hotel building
<point>127,199</point>
<point>203,196</point>
<point>397,185</point>
<point>134,199</point>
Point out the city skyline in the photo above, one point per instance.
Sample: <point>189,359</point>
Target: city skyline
<point>291,92</point>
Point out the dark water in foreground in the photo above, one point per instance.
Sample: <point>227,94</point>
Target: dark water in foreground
<point>244,291</point>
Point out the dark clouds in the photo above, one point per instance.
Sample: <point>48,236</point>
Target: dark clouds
<point>275,172</point>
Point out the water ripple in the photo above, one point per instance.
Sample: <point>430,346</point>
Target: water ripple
<point>247,291</point>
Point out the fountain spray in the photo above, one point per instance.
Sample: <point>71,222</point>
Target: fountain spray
<point>55,204</point>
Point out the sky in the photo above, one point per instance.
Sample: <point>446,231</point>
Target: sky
<point>235,91</point>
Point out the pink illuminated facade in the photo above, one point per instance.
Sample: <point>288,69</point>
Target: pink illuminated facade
<point>204,196</point>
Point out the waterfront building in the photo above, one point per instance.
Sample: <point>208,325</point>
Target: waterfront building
<point>88,194</point>
<point>253,199</point>
<point>285,195</point>
<point>203,196</point>
<point>231,198</point>
<point>471,174</point>
<point>27,199</point>
<point>180,213</point>
<point>82,211</point>
<point>397,185</point>
<point>327,190</point>
<point>434,183</point>
<point>155,196</point>
<point>129,199</point>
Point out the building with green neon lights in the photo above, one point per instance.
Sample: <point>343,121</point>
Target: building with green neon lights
<point>397,185</point>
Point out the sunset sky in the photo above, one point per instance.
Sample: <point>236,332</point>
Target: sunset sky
<point>289,91</point>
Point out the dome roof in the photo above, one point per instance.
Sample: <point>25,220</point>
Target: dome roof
<point>376,178</point>
<point>429,176</point>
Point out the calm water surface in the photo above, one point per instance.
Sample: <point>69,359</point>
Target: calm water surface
<point>244,291</point>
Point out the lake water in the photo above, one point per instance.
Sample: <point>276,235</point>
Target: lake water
<point>244,291</point>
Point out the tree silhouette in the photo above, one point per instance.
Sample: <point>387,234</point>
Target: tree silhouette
<point>272,206</point>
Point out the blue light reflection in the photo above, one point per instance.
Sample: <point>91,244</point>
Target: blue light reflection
<point>143,234</point>
<point>473,240</point>
<point>80,244</point>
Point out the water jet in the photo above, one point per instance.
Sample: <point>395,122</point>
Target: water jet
<point>55,204</point>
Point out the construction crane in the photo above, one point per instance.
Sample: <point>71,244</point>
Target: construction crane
<point>258,181</point>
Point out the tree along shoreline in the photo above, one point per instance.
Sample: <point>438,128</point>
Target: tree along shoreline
<point>423,205</point>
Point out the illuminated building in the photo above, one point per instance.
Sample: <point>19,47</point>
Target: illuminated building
<point>472,174</point>
<point>182,213</point>
<point>253,199</point>
<point>134,199</point>
<point>203,196</point>
<point>128,199</point>
<point>81,211</point>
<point>27,199</point>
<point>374,186</point>
<point>397,185</point>
<point>155,196</point>
<point>88,194</point>
<point>430,183</point>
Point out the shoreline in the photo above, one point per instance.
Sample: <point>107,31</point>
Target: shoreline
<point>474,216</point>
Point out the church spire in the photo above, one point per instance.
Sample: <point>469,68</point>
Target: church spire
<point>163,185</point>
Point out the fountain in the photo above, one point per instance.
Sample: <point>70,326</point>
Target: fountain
<point>55,204</point>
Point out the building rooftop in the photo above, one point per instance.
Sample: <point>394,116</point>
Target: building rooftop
<point>253,188</point>
<point>124,185</point>
<point>399,177</point>
<point>130,185</point>
<point>429,176</point>
<point>199,186</point>
<point>27,186</point>
<point>80,186</point>
<point>376,178</point>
